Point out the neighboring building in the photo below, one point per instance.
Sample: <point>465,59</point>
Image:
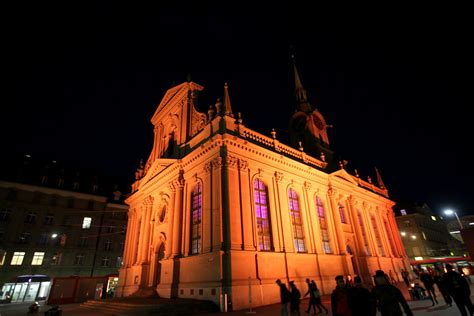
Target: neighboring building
<point>219,209</point>
<point>425,234</point>
<point>52,227</point>
<point>455,229</point>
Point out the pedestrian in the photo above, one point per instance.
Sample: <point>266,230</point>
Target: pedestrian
<point>340,299</point>
<point>310,292</point>
<point>388,297</point>
<point>459,290</point>
<point>295,296</point>
<point>405,277</point>
<point>361,301</point>
<point>317,298</point>
<point>429,286</point>
<point>439,281</point>
<point>284,297</point>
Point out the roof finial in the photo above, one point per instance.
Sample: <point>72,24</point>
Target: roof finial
<point>227,107</point>
<point>300,92</point>
<point>379,179</point>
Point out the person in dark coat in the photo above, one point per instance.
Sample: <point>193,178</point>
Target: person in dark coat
<point>405,277</point>
<point>310,292</point>
<point>429,286</point>
<point>388,297</point>
<point>439,281</point>
<point>361,300</point>
<point>295,296</point>
<point>317,298</point>
<point>459,290</point>
<point>340,299</point>
<point>284,297</point>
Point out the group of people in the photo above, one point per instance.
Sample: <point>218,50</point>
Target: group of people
<point>348,298</point>
<point>292,298</point>
<point>452,286</point>
<point>351,298</point>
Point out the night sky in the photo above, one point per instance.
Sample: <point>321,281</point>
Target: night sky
<point>83,84</point>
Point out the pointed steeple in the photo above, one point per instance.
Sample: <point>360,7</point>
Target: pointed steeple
<point>227,107</point>
<point>300,92</point>
<point>379,179</point>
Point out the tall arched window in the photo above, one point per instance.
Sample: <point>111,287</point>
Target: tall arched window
<point>342,214</point>
<point>296,221</point>
<point>363,233</point>
<point>323,226</point>
<point>377,236</point>
<point>390,239</point>
<point>262,215</point>
<point>196,219</point>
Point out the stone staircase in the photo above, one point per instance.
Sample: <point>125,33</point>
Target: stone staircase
<point>149,306</point>
<point>116,308</point>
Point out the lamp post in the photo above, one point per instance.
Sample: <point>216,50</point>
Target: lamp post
<point>451,212</point>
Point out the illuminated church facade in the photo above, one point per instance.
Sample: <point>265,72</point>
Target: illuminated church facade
<point>221,209</point>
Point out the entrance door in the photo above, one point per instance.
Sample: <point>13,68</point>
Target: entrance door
<point>31,292</point>
<point>160,255</point>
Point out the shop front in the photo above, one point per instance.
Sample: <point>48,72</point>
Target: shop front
<point>26,288</point>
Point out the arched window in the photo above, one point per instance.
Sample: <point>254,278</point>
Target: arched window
<point>323,226</point>
<point>390,239</point>
<point>377,236</point>
<point>296,221</point>
<point>196,219</point>
<point>363,233</point>
<point>342,214</point>
<point>262,216</point>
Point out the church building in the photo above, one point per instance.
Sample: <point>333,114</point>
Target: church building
<point>220,210</point>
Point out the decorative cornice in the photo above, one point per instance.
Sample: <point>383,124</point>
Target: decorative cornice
<point>278,177</point>
<point>243,165</point>
<point>148,201</point>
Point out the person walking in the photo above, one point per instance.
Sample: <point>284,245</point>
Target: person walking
<point>388,297</point>
<point>429,286</point>
<point>295,296</point>
<point>361,301</point>
<point>340,298</point>
<point>317,298</point>
<point>284,297</point>
<point>459,290</point>
<point>405,277</point>
<point>310,292</point>
<point>440,282</point>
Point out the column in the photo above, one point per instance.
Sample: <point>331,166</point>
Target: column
<point>178,218</point>
<point>146,235</point>
<point>140,232</point>
<point>337,221</point>
<point>171,206</point>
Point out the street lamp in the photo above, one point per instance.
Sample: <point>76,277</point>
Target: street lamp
<point>451,212</point>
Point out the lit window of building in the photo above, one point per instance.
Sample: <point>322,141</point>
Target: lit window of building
<point>296,221</point>
<point>262,216</point>
<point>196,219</point>
<point>342,214</point>
<point>37,259</point>
<point>17,258</point>
<point>323,225</point>
<point>86,223</point>
<point>105,261</point>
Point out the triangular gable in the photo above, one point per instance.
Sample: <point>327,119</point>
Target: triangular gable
<point>343,174</point>
<point>157,167</point>
<point>174,92</point>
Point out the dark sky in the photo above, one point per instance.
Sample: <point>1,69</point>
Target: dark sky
<point>83,83</point>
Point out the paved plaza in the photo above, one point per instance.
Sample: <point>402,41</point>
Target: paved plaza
<point>418,307</point>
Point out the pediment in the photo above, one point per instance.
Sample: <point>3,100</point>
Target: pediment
<point>343,174</point>
<point>176,93</point>
<point>156,168</point>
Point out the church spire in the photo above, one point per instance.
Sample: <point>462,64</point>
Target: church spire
<point>379,179</point>
<point>300,92</point>
<point>227,107</point>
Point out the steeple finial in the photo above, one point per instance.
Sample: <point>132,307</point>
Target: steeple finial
<point>227,107</point>
<point>379,179</point>
<point>300,92</point>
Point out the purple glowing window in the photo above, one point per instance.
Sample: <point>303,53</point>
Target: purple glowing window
<point>262,216</point>
<point>296,221</point>
<point>342,214</point>
<point>323,226</point>
<point>196,219</point>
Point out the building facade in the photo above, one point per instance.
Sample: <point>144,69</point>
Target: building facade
<point>52,229</point>
<point>221,210</point>
<point>425,234</point>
